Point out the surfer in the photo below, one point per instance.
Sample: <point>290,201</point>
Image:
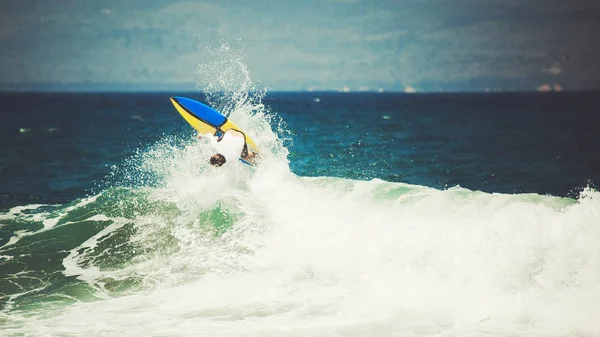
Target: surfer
<point>232,142</point>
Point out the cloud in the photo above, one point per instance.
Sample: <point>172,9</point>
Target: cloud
<point>105,11</point>
<point>384,36</point>
<point>555,69</point>
<point>343,1</point>
<point>191,9</point>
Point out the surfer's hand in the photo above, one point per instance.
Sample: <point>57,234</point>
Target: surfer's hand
<point>250,157</point>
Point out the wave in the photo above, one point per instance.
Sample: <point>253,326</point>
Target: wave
<point>312,250</point>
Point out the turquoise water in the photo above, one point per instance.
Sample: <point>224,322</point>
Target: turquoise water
<point>370,214</point>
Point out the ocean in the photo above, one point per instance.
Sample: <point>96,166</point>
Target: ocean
<point>370,214</point>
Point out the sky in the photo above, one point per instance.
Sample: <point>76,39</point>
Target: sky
<point>357,45</point>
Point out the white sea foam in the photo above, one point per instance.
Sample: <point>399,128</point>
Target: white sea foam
<point>92,273</point>
<point>312,256</point>
<point>48,219</point>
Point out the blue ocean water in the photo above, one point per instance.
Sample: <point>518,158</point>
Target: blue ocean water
<point>507,143</point>
<point>370,214</point>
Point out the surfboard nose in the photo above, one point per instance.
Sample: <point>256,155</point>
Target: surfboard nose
<point>177,102</point>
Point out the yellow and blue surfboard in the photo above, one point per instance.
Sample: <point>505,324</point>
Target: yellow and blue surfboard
<point>206,119</point>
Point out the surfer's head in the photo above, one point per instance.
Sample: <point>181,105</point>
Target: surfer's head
<point>217,160</point>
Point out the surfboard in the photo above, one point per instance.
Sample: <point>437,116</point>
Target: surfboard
<point>207,120</point>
